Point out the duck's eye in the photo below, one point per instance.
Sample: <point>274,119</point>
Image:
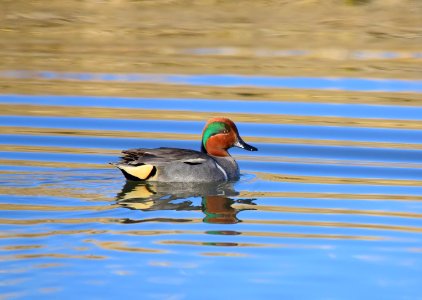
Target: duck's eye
<point>225,131</point>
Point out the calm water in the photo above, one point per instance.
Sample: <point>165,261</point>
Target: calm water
<point>330,207</point>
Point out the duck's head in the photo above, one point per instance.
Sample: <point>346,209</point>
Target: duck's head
<point>219,135</point>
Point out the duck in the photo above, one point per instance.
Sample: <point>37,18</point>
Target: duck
<point>212,163</point>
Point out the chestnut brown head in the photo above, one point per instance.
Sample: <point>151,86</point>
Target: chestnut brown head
<point>219,135</point>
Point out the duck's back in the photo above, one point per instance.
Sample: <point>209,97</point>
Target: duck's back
<point>170,165</point>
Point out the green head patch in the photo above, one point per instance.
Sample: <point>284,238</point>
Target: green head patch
<point>213,129</point>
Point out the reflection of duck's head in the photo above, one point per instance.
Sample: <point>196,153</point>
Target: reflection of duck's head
<point>219,210</point>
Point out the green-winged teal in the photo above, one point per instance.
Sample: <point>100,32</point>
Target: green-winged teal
<point>213,163</point>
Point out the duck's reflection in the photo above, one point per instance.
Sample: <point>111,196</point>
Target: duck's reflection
<point>216,203</point>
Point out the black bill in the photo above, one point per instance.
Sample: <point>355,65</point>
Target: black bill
<point>241,144</point>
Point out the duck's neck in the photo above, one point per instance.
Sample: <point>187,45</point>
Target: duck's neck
<point>203,150</point>
<point>229,165</point>
<point>225,160</point>
<point>214,150</point>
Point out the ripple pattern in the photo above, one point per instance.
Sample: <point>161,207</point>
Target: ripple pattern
<point>332,184</point>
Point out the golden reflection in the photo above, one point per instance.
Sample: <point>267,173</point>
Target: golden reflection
<point>221,244</point>
<point>22,207</point>
<point>322,161</point>
<point>51,164</point>
<point>200,233</point>
<point>331,196</point>
<point>49,233</point>
<point>336,180</point>
<point>58,221</point>
<point>196,243</point>
<point>21,247</point>
<point>50,191</point>
<point>314,210</point>
<point>121,246</point>
<point>48,265</point>
<point>124,89</point>
<point>314,236</point>
<point>83,221</point>
<point>54,149</point>
<point>50,255</point>
<point>136,114</point>
<point>336,225</point>
<point>216,203</point>
<point>275,234</point>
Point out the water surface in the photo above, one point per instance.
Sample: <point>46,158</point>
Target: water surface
<point>330,207</point>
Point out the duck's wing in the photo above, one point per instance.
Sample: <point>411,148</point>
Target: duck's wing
<point>141,164</point>
<point>161,156</point>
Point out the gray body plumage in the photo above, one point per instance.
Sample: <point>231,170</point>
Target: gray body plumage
<point>180,165</point>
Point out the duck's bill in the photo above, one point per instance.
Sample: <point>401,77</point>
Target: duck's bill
<point>241,144</point>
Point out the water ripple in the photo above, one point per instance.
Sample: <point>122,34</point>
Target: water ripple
<point>222,80</point>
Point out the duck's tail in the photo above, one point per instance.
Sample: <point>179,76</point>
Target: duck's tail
<point>137,173</point>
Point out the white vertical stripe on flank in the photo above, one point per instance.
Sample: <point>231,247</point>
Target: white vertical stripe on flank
<point>222,170</point>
